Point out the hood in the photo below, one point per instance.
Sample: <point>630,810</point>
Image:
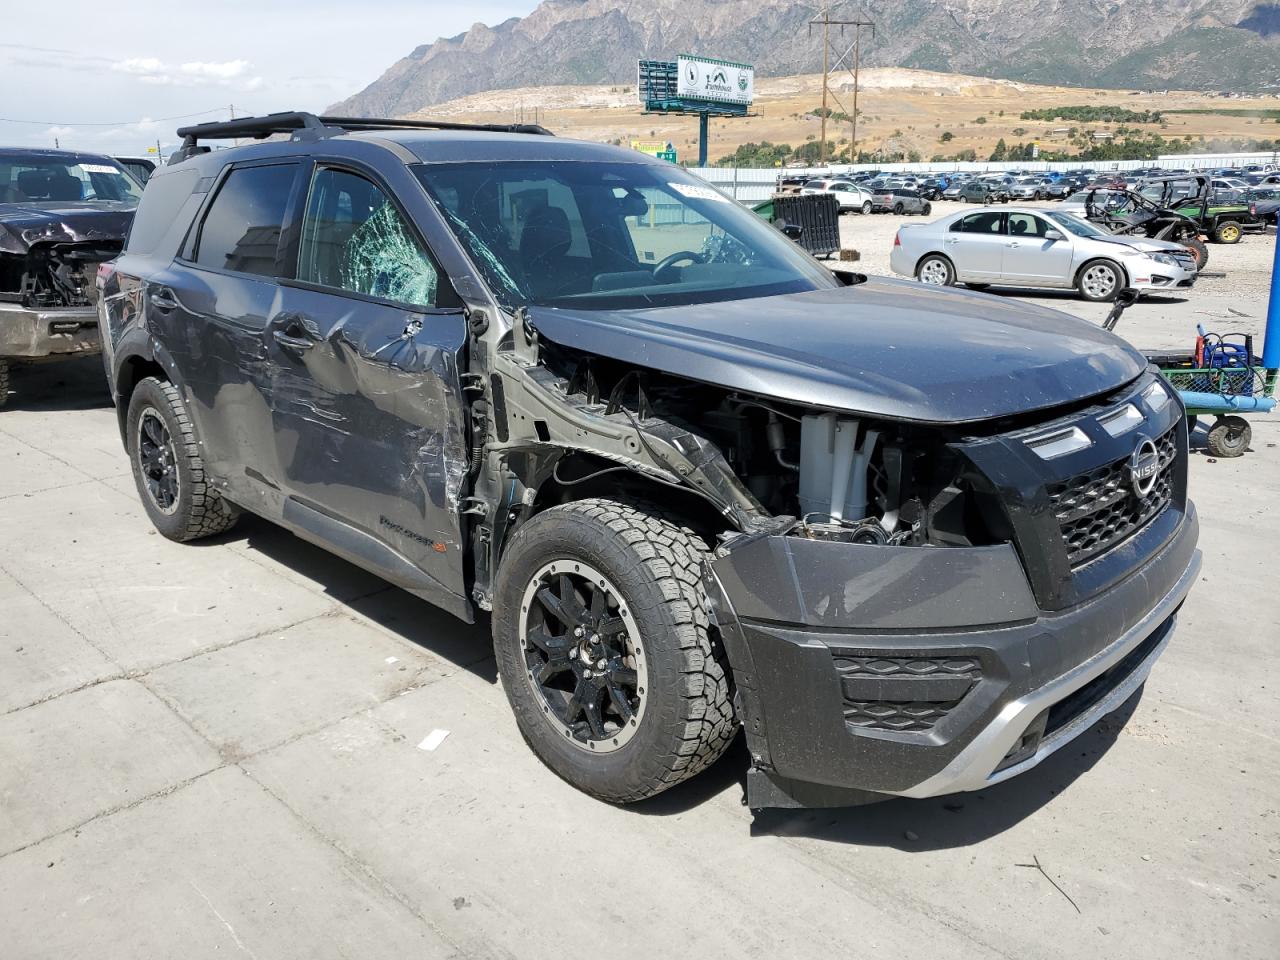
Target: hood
<point>1145,245</point>
<point>22,225</point>
<point>885,348</point>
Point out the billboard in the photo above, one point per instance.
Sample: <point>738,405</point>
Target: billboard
<point>714,81</point>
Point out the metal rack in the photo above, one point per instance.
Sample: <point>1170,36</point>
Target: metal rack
<point>309,124</point>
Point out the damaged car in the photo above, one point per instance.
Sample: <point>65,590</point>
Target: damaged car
<point>61,215</point>
<point>909,540</point>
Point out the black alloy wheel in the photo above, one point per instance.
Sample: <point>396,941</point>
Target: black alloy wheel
<point>158,461</point>
<point>583,655</point>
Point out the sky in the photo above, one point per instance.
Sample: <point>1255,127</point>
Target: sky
<point>106,77</point>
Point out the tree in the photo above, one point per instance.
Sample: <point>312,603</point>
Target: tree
<point>980,120</point>
<point>947,136</point>
<point>1000,152</point>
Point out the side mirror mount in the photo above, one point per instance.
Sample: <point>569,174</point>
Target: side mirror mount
<point>1053,236</point>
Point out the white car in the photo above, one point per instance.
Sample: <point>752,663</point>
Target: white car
<point>1034,247</point>
<point>851,197</point>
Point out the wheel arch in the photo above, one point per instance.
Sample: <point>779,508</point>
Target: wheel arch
<point>621,482</point>
<point>915,269</point>
<point>133,363</point>
<point>1124,274</point>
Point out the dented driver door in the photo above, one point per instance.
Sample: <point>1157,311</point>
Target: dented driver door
<point>365,342</point>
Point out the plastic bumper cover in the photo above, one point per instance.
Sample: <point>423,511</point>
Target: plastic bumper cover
<point>792,611</point>
<point>31,333</point>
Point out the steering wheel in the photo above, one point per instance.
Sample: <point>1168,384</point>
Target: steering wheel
<point>667,262</point>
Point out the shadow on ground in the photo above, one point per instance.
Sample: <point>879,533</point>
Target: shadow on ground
<point>79,384</point>
<point>465,645</point>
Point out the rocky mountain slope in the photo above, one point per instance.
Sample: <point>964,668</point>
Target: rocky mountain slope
<point>1193,44</point>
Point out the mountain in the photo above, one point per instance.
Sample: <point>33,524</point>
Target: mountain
<point>1193,45</point>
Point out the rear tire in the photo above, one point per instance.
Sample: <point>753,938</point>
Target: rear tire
<point>1229,437</point>
<point>678,717</point>
<point>866,207</point>
<point>167,468</point>
<point>936,271</point>
<point>4,382</point>
<point>898,208</point>
<point>1228,231</point>
<point>1099,281</point>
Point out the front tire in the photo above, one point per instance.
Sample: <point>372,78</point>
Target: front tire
<point>1100,281</point>
<point>605,651</point>
<point>926,210</point>
<point>1228,231</point>
<point>167,468</point>
<point>4,382</point>
<point>936,270</point>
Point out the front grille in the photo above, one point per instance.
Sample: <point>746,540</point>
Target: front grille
<point>903,693</point>
<point>1098,509</point>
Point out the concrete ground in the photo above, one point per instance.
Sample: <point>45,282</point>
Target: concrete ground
<point>218,749</point>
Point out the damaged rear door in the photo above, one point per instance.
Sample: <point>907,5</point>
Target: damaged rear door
<point>365,342</point>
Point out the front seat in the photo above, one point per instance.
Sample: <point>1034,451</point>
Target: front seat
<point>544,245</point>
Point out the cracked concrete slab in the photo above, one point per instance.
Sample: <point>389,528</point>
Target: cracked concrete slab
<point>68,760</point>
<point>40,656</point>
<point>88,443</point>
<point>95,560</point>
<point>479,821</point>
<point>264,691</point>
<point>251,880</point>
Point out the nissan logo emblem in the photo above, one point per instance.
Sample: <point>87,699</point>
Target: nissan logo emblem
<point>1144,467</point>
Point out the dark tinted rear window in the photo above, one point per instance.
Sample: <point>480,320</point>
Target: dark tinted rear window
<point>987,222</point>
<point>161,201</point>
<point>242,228</point>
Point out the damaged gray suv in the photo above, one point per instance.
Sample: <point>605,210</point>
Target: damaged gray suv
<point>911,541</point>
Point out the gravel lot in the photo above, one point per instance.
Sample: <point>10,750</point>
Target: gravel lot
<point>214,750</point>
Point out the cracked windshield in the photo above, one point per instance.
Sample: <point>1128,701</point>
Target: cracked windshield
<point>612,235</point>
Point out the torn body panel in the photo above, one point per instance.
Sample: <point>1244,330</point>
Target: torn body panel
<point>49,256</point>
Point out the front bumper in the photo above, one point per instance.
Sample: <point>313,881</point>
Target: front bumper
<point>865,672</point>
<point>32,333</point>
<point>1159,276</point>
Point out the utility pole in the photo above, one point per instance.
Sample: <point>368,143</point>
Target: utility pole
<point>856,50</point>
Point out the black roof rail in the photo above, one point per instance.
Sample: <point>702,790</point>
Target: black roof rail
<point>259,128</point>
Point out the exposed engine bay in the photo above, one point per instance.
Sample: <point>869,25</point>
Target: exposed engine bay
<point>594,425</point>
<point>842,477</point>
<point>55,274</point>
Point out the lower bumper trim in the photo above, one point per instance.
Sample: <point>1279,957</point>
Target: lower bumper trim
<point>978,765</point>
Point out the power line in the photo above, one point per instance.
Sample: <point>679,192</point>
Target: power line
<point>856,49</point>
<point>112,123</point>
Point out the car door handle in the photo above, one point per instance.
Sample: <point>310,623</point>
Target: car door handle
<point>294,333</point>
<point>1013,243</point>
<point>293,343</point>
<point>163,299</point>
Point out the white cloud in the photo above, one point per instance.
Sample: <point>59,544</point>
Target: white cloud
<point>156,72</point>
<point>59,131</point>
<point>139,65</point>
<point>226,70</point>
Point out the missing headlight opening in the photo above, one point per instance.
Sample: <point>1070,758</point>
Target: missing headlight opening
<point>832,476</point>
<point>54,274</point>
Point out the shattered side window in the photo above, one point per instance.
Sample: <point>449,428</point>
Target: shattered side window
<point>353,238</point>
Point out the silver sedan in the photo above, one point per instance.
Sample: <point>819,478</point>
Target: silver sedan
<point>1030,247</point>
